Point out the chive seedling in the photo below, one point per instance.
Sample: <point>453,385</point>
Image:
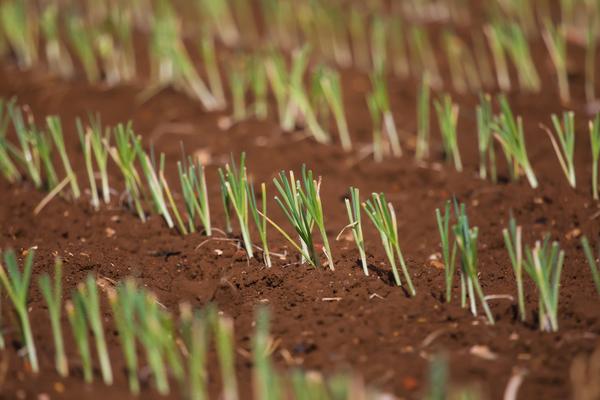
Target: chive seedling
<point>381,99</point>
<point>195,194</point>
<point>80,37</point>
<point>258,83</point>
<point>556,42</point>
<point>57,55</point>
<point>587,249</point>
<point>594,126</point>
<point>513,242</point>
<point>53,295</point>
<point>485,136</point>
<point>590,56</point>
<point>499,57</point>
<point>511,137</point>
<point>383,216</point>
<point>86,146</point>
<point>76,315</point>
<point>100,145</point>
<point>332,89</point>
<point>358,34</point>
<point>195,336</point>
<point>55,128</point>
<point>43,146</point>
<point>377,128</point>
<point>124,155</point>
<point>422,149</point>
<point>278,81</point>
<point>16,284</point>
<point>565,146</point>
<point>122,301</point>
<point>544,265</point>
<point>447,113</point>
<point>234,194</point>
<point>207,48</point>
<point>7,166</point>
<point>265,380</point>
<point>422,51</point>
<point>238,82</point>
<point>448,254</point>
<point>167,190</point>
<point>88,293</point>
<point>466,239</point>
<point>223,330</point>
<point>28,155</point>
<point>260,218</point>
<point>513,39</point>
<point>154,184</point>
<point>20,32</point>
<point>378,43</point>
<point>353,210</point>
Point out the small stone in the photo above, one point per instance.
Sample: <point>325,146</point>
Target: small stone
<point>573,234</point>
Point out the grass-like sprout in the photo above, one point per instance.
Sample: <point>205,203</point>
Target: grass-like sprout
<point>195,335</point>
<point>509,132</point>
<point>100,144</point>
<point>265,379</point>
<point>278,81</point>
<point>383,216</point>
<point>485,139</point>
<point>19,31</point>
<point>28,154</point>
<point>590,57</point>
<point>397,40</point>
<point>354,210</point>
<point>448,252</point>
<point>122,301</point>
<point>594,126</point>
<point>88,293</point>
<point>223,331</point>
<point>195,194</point>
<point>424,55</point>
<point>556,42</point>
<point>466,239</point>
<point>564,147</point>
<point>76,314</point>
<point>80,37</point>
<point>499,56</point>
<point>358,35</point>
<point>301,204</point>
<point>379,102</point>
<point>221,18</point>
<point>207,49</point>
<point>332,89</point>
<point>260,219</point>
<point>52,293</point>
<point>514,245</point>
<point>423,119</point>
<point>589,254</point>
<point>7,166</point>
<point>377,128</point>
<point>16,284</point>
<point>544,265</point>
<point>238,82</point>
<point>86,146</point>
<point>57,55</point>
<point>154,185</point>
<point>514,41</point>
<point>259,86</point>
<point>55,128</point>
<point>447,113</point>
<point>378,43</point>
<point>43,145</point>
<point>167,190</point>
<point>234,180</point>
<point>300,60</point>
<point>124,154</point>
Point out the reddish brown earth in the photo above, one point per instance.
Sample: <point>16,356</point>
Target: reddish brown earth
<point>374,328</point>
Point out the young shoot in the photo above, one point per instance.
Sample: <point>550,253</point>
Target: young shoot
<point>28,155</point>
<point>238,82</point>
<point>86,146</point>
<point>544,265</point>
<point>88,294</point>
<point>195,194</point>
<point>76,314</point>
<point>448,252</point>
<point>354,210</point>
<point>332,89</point>
<point>167,190</point>
<point>100,144</point>
<point>7,167</point>
<point>234,194</point>
<point>485,136</point>
<point>195,335</point>
<point>380,99</point>
<point>82,41</point>
<point>265,380</point>
<point>124,155</point>
<point>52,293</point>
<point>55,128</point>
<point>383,216</point>
<point>122,301</point>
<point>513,242</point>
<point>447,113</point>
<point>589,254</point>
<point>20,32</point>
<point>16,284</point>
<point>258,84</point>
<point>223,330</point>
<point>594,126</point>
<point>466,239</point>
<point>512,138</point>
<point>207,49</point>
<point>556,42</point>
<point>423,123</point>
<point>564,147</point>
<point>260,219</point>
<point>43,146</point>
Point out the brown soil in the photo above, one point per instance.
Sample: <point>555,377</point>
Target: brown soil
<point>374,327</point>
